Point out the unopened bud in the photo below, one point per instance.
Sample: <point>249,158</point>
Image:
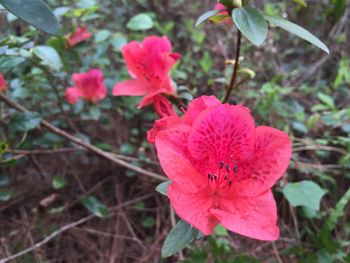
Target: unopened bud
<point>237,3</point>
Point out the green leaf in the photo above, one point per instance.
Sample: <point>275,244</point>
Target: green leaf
<point>163,188</point>
<point>95,206</point>
<point>49,57</point>
<point>301,2</point>
<point>205,17</point>
<point>336,213</point>
<point>24,121</point>
<point>102,35</point>
<point>220,230</point>
<point>34,12</point>
<point>140,22</point>
<point>206,62</point>
<point>4,180</point>
<point>304,193</point>
<point>95,112</point>
<point>58,182</point>
<point>5,195</point>
<point>296,30</point>
<point>251,23</point>
<point>327,100</point>
<point>178,238</point>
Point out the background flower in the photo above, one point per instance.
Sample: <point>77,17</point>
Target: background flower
<point>149,64</point>
<point>89,86</point>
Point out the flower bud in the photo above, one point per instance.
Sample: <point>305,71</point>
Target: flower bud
<point>237,3</point>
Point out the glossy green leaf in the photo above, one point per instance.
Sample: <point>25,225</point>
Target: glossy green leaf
<point>95,206</point>
<point>4,180</point>
<point>304,193</point>
<point>95,112</point>
<point>49,57</point>
<point>206,62</point>
<point>5,195</point>
<point>301,2</point>
<point>178,238</point>
<point>327,100</point>
<point>296,30</point>
<point>34,12</point>
<point>205,17</point>
<point>251,23</point>
<point>140,22</point>
<point>24,121</point>
<point>163,188</point>
<point>58,182</point>
<point>336,213</point>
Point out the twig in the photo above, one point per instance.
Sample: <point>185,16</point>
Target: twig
<point>64,229</point>
<point>278,257</point>
<point>235,69</point>
<point>106,155</point>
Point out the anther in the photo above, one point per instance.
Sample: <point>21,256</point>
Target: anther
<point>235,169</point>
<point>215,177</point>
<point>225,177</point>
<point>209,175</point>
<point>221,165</point>
<point>229,183</point>
<point>227,167</point>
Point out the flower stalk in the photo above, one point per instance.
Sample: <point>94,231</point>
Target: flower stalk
<point>232,85</point>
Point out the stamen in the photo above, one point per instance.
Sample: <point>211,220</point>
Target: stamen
<point>221,165</point>
<point>235,168</point>
<point>209,175</point>
<point>227,168</point>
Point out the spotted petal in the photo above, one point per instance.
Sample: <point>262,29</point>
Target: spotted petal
<point>253,217</point>
<point>272,154</point>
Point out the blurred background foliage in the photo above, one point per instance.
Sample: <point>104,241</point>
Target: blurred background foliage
<point>46,182</point>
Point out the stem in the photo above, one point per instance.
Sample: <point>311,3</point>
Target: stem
<point>107,155</point>
<point>235,69</point>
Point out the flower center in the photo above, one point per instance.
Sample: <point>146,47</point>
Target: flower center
<point>221,181</point>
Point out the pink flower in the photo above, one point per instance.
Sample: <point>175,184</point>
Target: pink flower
<point>222,168</point>
<point>3,84</point>
<point>149,65</point>
<point>220,6</point>
<point>162,106</point>
<point>89,86</point>
<point>223,16</point>
<point>80,34</point>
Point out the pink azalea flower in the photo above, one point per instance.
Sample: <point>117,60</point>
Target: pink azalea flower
<point>162,106</point>
<point>222,168</point>
<point>3,84</point>
<point>149,64</point>
<point>80,34</point>
<point>220,6</point>
<point>223,16</point>
<point>89,86</point>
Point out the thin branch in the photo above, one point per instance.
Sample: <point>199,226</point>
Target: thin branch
<point>92,148</point>
<point>64,229</point>
<point>235,69</point>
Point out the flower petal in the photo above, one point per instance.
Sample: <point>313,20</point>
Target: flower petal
<point>3,84</point>
<point>72,95</point>
<point>197,106</point>
<point>253,217</point>
<point>193,207</point>
<point>163,106</point>
<point>161,124</point>
<point>131,88</point>
<point>171,149</point>
<point>272,154</point>
<point>221,134</point>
